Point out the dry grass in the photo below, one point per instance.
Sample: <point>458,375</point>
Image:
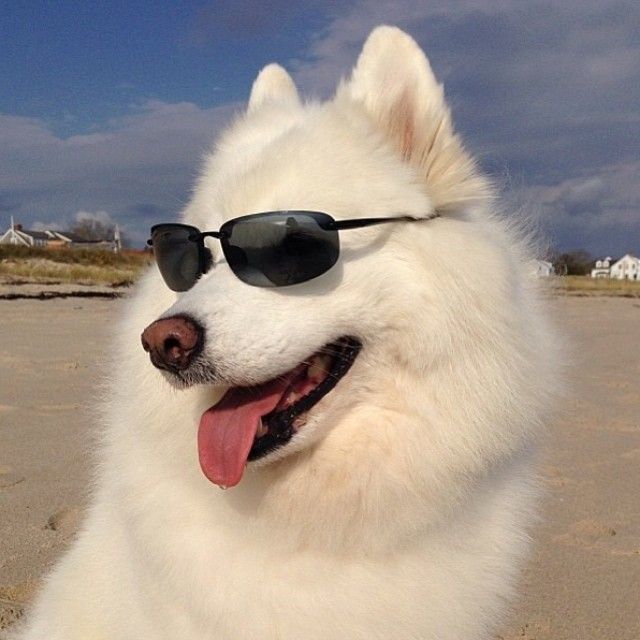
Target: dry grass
<point>587,286</point>
<point>46,266</point>
<point>84,266</point>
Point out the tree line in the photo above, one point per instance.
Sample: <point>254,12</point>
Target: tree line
<point>572,263</point>
<point>94,229</point>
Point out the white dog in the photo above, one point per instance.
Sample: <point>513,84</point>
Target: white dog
<point>390,495</point>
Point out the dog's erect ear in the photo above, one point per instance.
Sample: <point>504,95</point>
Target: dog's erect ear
<point>394,82</point>
<point>273,84</point>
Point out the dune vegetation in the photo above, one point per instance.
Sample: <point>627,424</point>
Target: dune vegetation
<point>71,266</point>
<point>587,286</point>
<point>90,267</point>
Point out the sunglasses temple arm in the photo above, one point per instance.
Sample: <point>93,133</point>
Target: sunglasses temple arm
<point>341,225</point>
<point>198,236</point>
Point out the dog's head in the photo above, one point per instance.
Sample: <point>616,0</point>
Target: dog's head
<point>332,362</point>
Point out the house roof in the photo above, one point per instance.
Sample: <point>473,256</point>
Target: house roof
<point>70,236</point>
<point>625,257</point>
<point>48,234</point>
<point>36,235</point>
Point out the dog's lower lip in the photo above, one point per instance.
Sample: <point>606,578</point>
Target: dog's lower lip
<point>280,424</point>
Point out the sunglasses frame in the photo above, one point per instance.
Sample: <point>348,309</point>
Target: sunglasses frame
<point>328,224</point>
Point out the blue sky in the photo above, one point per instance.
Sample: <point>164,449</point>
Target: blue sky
<point>107,108</point>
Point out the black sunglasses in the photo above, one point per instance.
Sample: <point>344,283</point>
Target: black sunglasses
<point>272,249</point>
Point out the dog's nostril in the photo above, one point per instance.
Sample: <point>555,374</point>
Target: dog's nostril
<point>173,342</point>
<point>175,352</point>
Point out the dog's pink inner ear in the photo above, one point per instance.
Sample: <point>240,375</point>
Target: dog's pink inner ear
<point>402,123</point>
<point>395,85</point>
<point>397,120</point>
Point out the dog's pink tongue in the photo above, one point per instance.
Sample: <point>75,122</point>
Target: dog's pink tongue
<point>228,429</point>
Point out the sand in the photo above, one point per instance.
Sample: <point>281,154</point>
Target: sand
<point>583,578</point>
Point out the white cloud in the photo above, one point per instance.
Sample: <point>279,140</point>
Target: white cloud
<point>545,94</point>
<point>598,212</point>
<point>54,225</point>
<point>140,167</point>
<point>67,223</point>
<point>95,216</point>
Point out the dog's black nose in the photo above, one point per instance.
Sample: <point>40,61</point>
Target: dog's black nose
<point>173,342</point>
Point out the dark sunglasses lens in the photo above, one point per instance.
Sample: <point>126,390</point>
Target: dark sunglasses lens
<point>279,249</point>
<point>178,257</point>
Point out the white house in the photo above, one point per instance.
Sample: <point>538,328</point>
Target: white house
<point>542,268</point>
<point>627,268</point>
<point>18,236</point>
<point>602,268</point>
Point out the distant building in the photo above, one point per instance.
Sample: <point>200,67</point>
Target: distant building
<point>627,268</point>
<point>51,239</point>
<point>602,268</point>
<point>16,235</point>
<point>542,268</point>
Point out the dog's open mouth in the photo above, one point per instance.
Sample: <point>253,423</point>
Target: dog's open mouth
<point>251,422</point>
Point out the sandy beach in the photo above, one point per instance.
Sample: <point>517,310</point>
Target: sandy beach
<point>583,578</point>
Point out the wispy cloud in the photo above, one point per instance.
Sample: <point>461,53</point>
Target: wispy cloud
<point>546,94</point>
<point>138,169</point>
<point>597,210</point>
<point>247,19</point>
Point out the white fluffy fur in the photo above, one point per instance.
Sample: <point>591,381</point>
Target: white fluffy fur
<point>400,510</point>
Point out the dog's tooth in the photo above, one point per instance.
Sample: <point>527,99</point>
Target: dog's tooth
<point>262,429</point>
